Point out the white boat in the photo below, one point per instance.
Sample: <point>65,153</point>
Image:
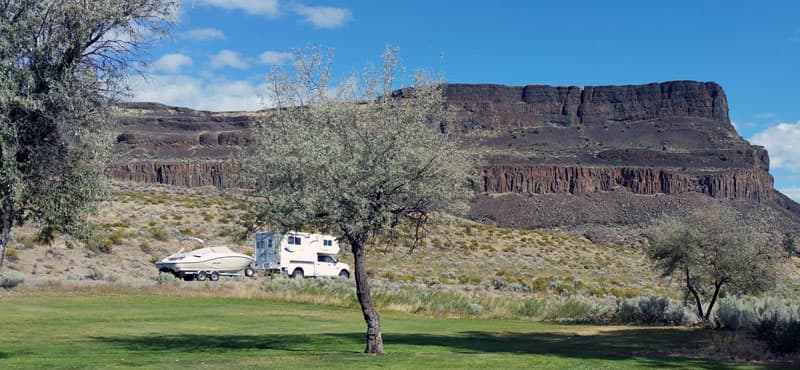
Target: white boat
<point>208,262</point>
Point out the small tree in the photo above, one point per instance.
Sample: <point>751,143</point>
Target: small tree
<point>359,161</point>
<point>790,244</point>
<point>61,61</point>
<point>712,250</point>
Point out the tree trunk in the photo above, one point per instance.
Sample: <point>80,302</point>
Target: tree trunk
<point>6,221</point>
<point>695,294</point>
<point>717,286</point>
<point>373,320</point>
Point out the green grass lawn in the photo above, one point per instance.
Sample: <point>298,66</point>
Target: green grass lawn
<point>146,331</point>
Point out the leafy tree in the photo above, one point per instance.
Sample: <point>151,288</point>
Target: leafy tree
<point>61,62</point>
<point>713,251</point>
<point>359,161</point>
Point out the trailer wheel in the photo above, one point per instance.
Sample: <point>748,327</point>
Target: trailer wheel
<point>297,274</point>
<point>249,272</point>
<point>344,274</point>
<point>214,276</point>
<point>201,276</point>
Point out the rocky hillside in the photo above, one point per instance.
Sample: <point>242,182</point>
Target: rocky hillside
<point>551,155</point>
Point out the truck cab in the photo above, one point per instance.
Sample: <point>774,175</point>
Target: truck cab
<point>299,254</point>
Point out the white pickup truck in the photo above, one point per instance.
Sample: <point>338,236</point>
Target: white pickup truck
<point>299,254</point>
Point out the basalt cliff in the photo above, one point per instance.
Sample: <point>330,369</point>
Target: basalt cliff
<point>550,156</point>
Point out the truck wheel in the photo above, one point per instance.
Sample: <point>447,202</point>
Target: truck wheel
<point>249,272</point>
<point>214,276</point>
<point>297,274</point>
<point>201,276</point>
<point>344,274</point>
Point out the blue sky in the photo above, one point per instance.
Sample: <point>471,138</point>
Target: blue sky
<point>220,51</point>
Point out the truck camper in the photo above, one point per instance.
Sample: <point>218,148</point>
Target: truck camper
<point>299,254</point>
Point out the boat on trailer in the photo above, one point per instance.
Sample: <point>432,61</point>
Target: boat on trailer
<point>205,263</point>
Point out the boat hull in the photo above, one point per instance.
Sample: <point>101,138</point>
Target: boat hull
<point>222,264</point>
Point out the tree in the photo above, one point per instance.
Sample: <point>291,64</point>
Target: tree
<point>360,161</point>
<point>61,62</point>
<point>712,251</point>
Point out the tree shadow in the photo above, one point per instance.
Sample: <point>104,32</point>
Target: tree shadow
<point>650,347</point>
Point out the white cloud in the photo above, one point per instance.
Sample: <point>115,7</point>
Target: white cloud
<point>202,34</point>
<point>212,94</point>
<point>228,58</point>
<point>783,143</point>
<point>324,17</point>
<point>275,57</point>
<point>171,63</point>
<point>766,115</point>
<point>793,193</point>
<point>267,8</point>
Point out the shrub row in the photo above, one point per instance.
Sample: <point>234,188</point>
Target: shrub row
<point>422,299</point>
<point>772,321</point>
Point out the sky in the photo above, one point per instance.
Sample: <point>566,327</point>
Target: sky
<point>219,52</point>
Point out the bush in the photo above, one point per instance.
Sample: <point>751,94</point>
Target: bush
<point>777,324</point>
<point>772,321</point>
<point>98,243</point>
<point>734,313</point>
<point>11,279</point>
<point>11,254</point>
<point>644,310</point>
<point>165,278</point>
<point>158,233</point>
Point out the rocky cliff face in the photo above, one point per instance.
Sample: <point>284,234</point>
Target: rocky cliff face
<point>657,139</point>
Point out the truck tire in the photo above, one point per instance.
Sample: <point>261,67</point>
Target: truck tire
<point>201,276</point>
<point>344,274</point>
<point>297,274</point>
<point>249,272</point>
<point>213,276</point>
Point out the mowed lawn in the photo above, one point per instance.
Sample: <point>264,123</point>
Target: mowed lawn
<point>146,331</point>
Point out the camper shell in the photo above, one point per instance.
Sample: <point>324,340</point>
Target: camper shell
<point>299,254</point>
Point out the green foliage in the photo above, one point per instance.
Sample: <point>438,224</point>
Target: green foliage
<point>165,278</point>
<point>11,279</point>
<point>772,321</point>
<point>61,62</point>
<point>369,160</point>
<point>790,244</point>
<point>98,243</point>
<point>712,251</point>
<point>158,233</point>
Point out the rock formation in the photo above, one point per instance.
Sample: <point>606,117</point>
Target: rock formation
<point>605,142</point>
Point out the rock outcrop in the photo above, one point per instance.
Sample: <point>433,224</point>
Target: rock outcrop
<point>602,142</point>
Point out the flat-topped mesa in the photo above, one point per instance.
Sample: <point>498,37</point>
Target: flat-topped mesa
<point>540,105</point>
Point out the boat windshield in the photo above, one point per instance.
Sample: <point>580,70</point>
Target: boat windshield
<point>207,250</point>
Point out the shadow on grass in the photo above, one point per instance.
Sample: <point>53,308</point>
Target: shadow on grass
<point>649,347</point>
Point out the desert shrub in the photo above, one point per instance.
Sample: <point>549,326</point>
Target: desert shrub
<point>734,313</point>
<point>145,246</point>
<point>499,282</point>
<point>580,309</point>
<point>115,237</point>
<point>158,233</point>
<point>650,310</point>
<point>532,307</point>
<point>95,273</point>
<point>98,243</point>
<point>777,324</point>
<point>11,279</point>
<point>11,254</point>
<point>165,278</point>
<point>470,278</point>
<point>29,241</point>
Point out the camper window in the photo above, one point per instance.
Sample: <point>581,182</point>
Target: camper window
<point>325,258</point>
<point>327,243</point>
<point>294,240</point>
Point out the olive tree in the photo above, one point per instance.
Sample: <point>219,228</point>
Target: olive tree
<point>61,62</point>
<point>712,251</point>
<point>356,160</point>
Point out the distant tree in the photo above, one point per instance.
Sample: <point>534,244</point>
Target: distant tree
<point>61,62</point>
<point>712,251</point>
<point>357,160</point>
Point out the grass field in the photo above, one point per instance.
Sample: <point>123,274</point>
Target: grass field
<point>83,330</point>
